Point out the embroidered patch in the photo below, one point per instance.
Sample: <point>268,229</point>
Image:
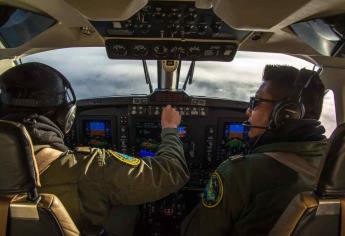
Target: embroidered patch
<point>213,192</point>
<point>133,161</point>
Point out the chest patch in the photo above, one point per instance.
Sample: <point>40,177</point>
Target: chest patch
<point>213,192</point>
<point>133,161</point>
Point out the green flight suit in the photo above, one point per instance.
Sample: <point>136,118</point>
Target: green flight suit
<point>91,184</point>
<point>246,196</point>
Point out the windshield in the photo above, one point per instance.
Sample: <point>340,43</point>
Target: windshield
<point>92,74</point>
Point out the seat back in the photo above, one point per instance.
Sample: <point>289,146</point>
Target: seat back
<point>322,211</point>
<point>23,211</point>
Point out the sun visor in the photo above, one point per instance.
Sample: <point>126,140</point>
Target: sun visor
<point>326,35</point>
<point>171,30</point>
<point>18,26</point>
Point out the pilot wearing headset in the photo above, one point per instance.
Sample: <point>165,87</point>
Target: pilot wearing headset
<point>247,193</point>
<point>96,186</point>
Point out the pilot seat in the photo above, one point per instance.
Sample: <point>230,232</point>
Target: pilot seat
<point>23,211</point>
<point>322,211</point>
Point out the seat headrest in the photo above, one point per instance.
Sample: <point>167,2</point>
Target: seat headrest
<point>18,168</point>
<point>332,176</point>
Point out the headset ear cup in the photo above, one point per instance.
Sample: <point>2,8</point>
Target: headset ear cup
<point>287,111</point>
<point>276,115</point>
<point>65,116</point>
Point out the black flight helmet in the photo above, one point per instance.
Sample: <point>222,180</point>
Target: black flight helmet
<point>41,89</point>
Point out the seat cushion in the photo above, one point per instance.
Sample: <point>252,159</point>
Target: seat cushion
<point>53,218</point>
<point>297,208</point>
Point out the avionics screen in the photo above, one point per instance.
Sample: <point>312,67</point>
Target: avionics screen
<point>182,131</point>
<point>148,137</point>
<point>235,138</point>
<point>97,133</point>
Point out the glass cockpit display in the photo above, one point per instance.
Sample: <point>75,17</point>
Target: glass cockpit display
<point>148,137</point>
<point>235,138</point>
<point>97,133</point>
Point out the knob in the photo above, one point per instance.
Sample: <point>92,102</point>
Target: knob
<point>123,129</point>
<point>216,27</point>
<point>191,17</point>
<point>202,28</point>
<point>144,28</point>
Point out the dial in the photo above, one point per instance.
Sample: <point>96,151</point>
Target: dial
<point>140,51</point>
<point>175,15</point>
<point>191,17</point>
<point>202,28</point>
<point>216,27</point>
<point>145,28</point>
<point>190,29</point>
<point>177,52</point>
<point>160,50</point>
<point>194,51</point>
<point>119,50</point>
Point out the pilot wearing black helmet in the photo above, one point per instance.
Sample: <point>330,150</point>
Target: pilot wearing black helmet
<point>93,184</point>
<point>247,193</point>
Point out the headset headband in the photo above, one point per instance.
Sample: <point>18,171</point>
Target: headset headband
<point>301,82</point>
<point>58,100</point>
<point>31,102</point>
<point>69,87</point>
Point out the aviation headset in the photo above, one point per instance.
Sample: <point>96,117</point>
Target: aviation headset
<point>65,104</point>
<point>292,107</point>
<point>65,114</point>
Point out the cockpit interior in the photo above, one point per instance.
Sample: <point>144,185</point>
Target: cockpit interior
<point>171,37</point>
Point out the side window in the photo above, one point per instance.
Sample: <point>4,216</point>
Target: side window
<point>328,116</point>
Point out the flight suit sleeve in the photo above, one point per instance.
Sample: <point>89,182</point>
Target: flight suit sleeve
<point>150,178</point>
<point>219,205</point>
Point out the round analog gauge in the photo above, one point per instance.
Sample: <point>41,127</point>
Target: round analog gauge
<point>161,50</point>
<point>140,51</point>
<point>178,52</point>
<point>194,51</point>
<point>119,50</point>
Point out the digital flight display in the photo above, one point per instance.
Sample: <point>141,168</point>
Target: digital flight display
<point>148,138</point>
<point>182,131</point>
<point>235,138</point>
<point>97,133</point>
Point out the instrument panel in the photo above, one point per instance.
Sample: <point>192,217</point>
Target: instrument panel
<point>171,30</point>
<point>211,130</point>
<point>169,19</point>
<point>186,50</point>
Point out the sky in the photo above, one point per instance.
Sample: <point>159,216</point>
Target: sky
<point>93,74</point>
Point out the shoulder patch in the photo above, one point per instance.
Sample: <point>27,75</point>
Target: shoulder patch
<point>133,161</point>
<point>213,192</point>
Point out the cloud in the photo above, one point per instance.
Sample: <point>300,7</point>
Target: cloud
<point>92,74</point>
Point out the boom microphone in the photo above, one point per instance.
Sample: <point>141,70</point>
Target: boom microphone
<point>249,125</point>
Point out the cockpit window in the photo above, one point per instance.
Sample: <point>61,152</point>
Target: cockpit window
<point>92,74</point>
<point>328,115</point>
<point>18,26</point>
<point>239,79</point>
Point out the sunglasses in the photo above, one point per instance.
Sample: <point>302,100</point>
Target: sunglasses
<point>254,101</point>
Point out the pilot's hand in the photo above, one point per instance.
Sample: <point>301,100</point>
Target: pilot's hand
<point>170,118</point>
